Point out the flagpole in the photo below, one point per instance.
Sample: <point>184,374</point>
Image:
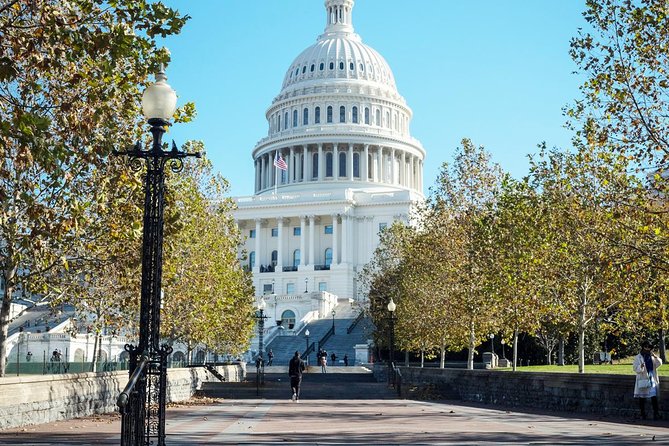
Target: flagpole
<point>276,177</point>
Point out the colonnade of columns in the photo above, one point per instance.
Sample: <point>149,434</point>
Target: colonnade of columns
<point>366,163</point>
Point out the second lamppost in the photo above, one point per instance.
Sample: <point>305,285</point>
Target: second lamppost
<point>391,341</point>
<point>306,334</point>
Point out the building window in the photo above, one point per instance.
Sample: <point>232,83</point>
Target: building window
<point>317,115</point>
<point>328,257</point>
<point>294,118</point>
<point>342,164</point>
<point>285,120</point>
<point>328,229</point>
<point>275,258</point>
<point>314,165</point>
<point>341,65</point>
<point>290,288</point>
<point>367,115</point>
<point>267,288</point>
<point>304,69</point>
<point>305,117</point>
<point>313,67</point>
<point>354,117</point>
<point>332,65</point>
<point>328,164</point>
<point>362,67</point>
<point>329,114</point>
<point>297,231</point>
<point>351,66</point>
<point>296,258</point>
<point>252,233</point>
<point>322,286</point>
<point>382,226</point>
<point>275,232</point>
<point>321,66</point>
<point>279,126</point>
<point>252,259</point>
<point>342,114</point>
<point>288,319</point>
<point>356,165</point>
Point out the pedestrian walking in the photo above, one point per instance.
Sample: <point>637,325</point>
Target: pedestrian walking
<point>324,361</point>
<point>345,360</point>
<point>647,382</point>
<point>270,357</point>
<point>295,369</point>
<point>334,358</point>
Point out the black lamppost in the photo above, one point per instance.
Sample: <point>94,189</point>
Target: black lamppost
<point>306,334</point>
<point>333,315</point>
<point>492,343</point>
<point>260,360</point>
<point>391,341</point>
<point>306,284</point>
<point>503,345</point>
<point>143,400</point>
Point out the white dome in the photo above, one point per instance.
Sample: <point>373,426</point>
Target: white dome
<point>339,54</point>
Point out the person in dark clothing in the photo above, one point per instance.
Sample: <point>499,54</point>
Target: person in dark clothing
<point>647,382</point>
<point>334,358</point>
<point>295,369</point>
<point>345,360</point>
<point>270,357</point>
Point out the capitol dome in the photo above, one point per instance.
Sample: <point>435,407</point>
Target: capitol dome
<point>339,120</point>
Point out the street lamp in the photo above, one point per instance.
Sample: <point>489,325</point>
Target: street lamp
<point>143,400</point>
<point>306,334</point>
<point>260,360</point>
<point>492,343</point>
<point>333,315</point>
<point>306,284</point>
<point>391,342</point>
<point>503,345</point>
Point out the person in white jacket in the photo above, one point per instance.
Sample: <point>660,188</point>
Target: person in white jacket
<point>647,383</point>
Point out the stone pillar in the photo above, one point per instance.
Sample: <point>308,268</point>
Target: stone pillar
<point>312,242</point>
<point>257,247</point>
<point>279,249</point>
<point>412,174</point>
<point>335,240</point>
<point>321,164</point>
<point>379,165</point>
<point>262,172</point>
<point>292,167</point>
<point>307,174</point>
<point>365,163</point>
<point>403,169</point>
<point>344,238</point>
<point>335,162</point>
<point>303,236</point>
<point>350,162</point>
<point>392,166</point>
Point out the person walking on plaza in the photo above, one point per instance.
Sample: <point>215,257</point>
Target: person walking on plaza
<point>647,383</point>
<point>345,360</point>
<point>334,358</point>
<point>270,357</point>
<point>324,361</point>
<point>295,369</point>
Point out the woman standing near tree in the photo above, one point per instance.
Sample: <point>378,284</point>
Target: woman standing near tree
<point>647,383</point>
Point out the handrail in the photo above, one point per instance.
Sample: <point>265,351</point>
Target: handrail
<point>325,337</point>
<point>309,349</point>
<point>124,397</point>
<point>355,322</point>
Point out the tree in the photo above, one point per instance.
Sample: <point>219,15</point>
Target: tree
<point>70,77</point>
<point>625,95</point>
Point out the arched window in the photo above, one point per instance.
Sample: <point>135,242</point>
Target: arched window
<point>296,258</point>
<point>313,67</point>
<point>314,165</point>
<point>252,259</point>
<point>328,257</point>
<point>367,115</point>
<point>278,127</point>
<point>275,257</point>
<point>329,114</point>
<point>321,66</point>
<point>317,115</point>
<point>341,65</point>
<point>294,118</point>
<point>305,117</point>
<point>378,117</point>
<point>356,165</point>
<point>351,66</point>
<point>354,113</point>
<point>285,120</point>
<point>332,65</point>
<point>328,164</point>
<point>388,119</point>
<point>304,69</point>
<point>288,319</point>
<point>342,114</point>
<point>342,164</point>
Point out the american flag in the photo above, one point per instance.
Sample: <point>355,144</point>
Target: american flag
<point>280,163</point>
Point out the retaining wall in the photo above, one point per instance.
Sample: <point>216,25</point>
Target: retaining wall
<point>573,392</point>
<point>37,399</point>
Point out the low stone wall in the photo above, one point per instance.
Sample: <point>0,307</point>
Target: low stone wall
<point>40,399</point>
<point>573,392</point>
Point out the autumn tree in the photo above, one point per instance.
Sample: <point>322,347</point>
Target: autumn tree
<point>70,79</point>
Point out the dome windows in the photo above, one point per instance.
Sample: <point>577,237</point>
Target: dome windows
<point>332,65</point>
<point>341,65</point>
<point>329,114</point>
<point>304,69</point>
<point>313,67</point>
<point>321,66</point>
<point>342,114</point>
<point>285,121</point>
<point>294,118</point>
<point>362,67</point>
<point>354,113</point>
<point>367,115</point>
<point>351,66</point>
<point>317,115</point>
<point>305,117</point>
<point>342,164</point>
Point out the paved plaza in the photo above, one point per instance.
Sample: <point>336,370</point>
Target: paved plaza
<point>351,422</point>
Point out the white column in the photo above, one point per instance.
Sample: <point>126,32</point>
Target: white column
<point>379,165</point>
<point>403,169</point>
<point>272,170</point>
<point>312,244</point>
<point>350,162</point>
<point>335,162</point>
<point>257,247</point>
<point>307,164</point>
<point>320,162</point>
<point>392,166</point>
<point>292,166</point>
<point>365,163</point>
<point>344,238</point>
<point>279,249</point>
<point>335,241</point>
<point>303,236</point>
<point>412,174</point>
<point>262,172</point>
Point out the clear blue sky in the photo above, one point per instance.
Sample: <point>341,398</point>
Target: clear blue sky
<point>496,72</point>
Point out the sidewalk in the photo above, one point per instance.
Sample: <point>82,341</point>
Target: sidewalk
<point>351,422</point>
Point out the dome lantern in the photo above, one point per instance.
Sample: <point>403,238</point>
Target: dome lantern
<point>339,16</point>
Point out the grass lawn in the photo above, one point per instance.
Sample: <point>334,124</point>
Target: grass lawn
<point>615,369</point>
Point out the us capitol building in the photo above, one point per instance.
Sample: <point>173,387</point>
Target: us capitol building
<point>337,166</point>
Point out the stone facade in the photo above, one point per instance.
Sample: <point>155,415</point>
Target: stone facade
<point>41,399</point>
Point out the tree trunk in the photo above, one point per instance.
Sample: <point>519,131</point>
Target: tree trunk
<point>515,349</point>
<point>4,325</point>
<point>663,346</point>
<point>422,358</point>
<point>561,351</point>
<point>549,357</point>
<point>442,362</point>
<point>470,355</point>
<point>581,348</point>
